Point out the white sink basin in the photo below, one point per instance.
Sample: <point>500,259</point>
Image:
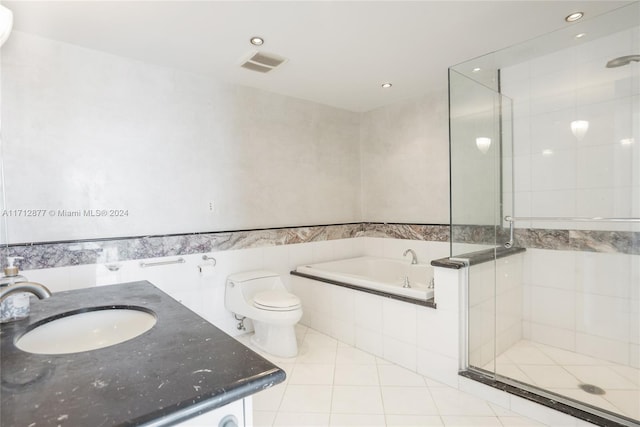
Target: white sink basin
<point>85,331</point>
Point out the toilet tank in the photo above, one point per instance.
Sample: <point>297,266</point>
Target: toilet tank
<point>251,282</point>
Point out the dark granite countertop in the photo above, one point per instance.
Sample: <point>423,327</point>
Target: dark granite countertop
<point>475,258</point>
<point>180,368</point>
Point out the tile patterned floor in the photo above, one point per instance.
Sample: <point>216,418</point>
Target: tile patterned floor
<point>561,371</point>
<point>334,384</point>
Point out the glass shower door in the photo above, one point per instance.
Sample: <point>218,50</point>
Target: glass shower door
<point>480,131</point>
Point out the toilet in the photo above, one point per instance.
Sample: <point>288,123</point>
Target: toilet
<point>260,296</point>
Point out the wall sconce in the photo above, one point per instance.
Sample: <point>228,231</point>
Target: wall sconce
<point>483,143</point>
<point>6,24</point>
<point>579,128</point>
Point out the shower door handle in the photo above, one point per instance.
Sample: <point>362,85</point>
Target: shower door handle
<point>509,244</point>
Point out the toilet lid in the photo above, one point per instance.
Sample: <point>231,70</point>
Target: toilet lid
<point>276,300</point>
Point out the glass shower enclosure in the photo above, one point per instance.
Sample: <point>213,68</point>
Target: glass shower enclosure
<point>545,210</point>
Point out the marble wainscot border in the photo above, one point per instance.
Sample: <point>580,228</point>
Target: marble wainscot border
<point>60,254</point>
<point>623,242</point>
<point>428,232</point>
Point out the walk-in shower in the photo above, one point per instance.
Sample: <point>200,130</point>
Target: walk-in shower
<point>545,177</point>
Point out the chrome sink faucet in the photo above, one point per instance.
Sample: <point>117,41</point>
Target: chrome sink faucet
<point>414,257</point>
<point>34,288</point>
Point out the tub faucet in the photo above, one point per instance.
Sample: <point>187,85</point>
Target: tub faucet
<point>414,258</point>
<point>36,289</point>
<point>406,283</point>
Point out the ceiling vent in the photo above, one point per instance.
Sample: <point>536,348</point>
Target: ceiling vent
<point>263,62</point>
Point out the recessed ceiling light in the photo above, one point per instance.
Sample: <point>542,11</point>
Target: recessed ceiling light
<point>386,85</point>
<point>581,35</point>
<point>256,41</point>
<point>574,16</point>
<point>547,152</point>
<point>475,70</point>
<point>627,141</point>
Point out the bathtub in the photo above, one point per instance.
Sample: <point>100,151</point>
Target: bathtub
<point>384,276</point>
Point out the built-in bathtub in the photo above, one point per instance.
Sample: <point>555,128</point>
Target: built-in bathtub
<point>382,276</point>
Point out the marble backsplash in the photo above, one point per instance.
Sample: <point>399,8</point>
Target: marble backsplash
<point>59,254</point>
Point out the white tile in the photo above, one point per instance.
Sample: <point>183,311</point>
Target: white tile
<point>602,376</point>
<point>458,421</point>
<point>540,413</point>
<point>550,376</point>
<point>307,398</point>
<point>626,400</point>
<point>437,330</point>
<point>413,420</point>
<point>630,373</point>
<point>494,397</point>
<point>441,368</point>
<point>356,374</point>
<point>400,352</point>
<point>351,355</point>
<point>365,420</point>
<point>525,353</point>
<point>604,316</point>
<point>408,401</point>
<point>309,354</point>
<point>554,307</point>
<point>399,320</point>
<point>454,402</point>
<point>269,399</point>
<point>553,336</point>
<point>515,421</point>
<point>369,341</point>
<point>368,311</point>
<point>603,348</point>
<point>393,375</point>
<point>357,400</point>
<point>263,418</point>
<point>564,357</point>
<point>300,419</point>
<point>311,373</point>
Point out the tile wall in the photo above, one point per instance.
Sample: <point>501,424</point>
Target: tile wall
<point>557,175</point>
<point>584,302</point>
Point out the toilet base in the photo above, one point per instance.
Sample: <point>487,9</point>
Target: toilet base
<point>278,340</point>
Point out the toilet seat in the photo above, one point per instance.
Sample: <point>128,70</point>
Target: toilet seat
<point>275,300</point>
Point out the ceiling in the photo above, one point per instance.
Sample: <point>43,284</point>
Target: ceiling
<point>339,52</point>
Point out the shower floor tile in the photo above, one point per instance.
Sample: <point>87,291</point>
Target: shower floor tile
<point>561,371</point>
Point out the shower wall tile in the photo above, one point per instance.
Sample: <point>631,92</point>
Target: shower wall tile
<point>603,316</point>
<point>553,307</point>
<point>553,336</point>
<point>551,269</point>
<point>603,348</point>
<point>548,93</point>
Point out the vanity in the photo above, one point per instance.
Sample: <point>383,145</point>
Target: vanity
<point>181,371</point>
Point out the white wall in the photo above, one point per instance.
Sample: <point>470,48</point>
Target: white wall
<point>201,292</point>
<point>405,169</point>
<point>88,130</point>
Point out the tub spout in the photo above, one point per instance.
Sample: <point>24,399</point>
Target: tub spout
<point>414,257</point>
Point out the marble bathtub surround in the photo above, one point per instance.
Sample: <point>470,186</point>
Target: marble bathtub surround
<point>104,251</point>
